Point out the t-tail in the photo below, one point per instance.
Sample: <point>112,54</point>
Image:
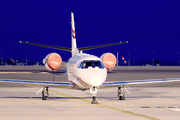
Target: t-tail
<point>74,50</point>
<point>74,46</point>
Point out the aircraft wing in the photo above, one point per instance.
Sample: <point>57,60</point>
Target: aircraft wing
<point>132,82</point>
<point>39,83</point>
<point>70,85</point>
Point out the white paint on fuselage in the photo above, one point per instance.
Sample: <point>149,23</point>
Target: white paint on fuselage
<point>85,78</point>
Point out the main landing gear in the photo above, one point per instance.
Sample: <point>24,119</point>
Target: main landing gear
<point>93,91</point>
<point>45,93</point>
<point>121,93</point>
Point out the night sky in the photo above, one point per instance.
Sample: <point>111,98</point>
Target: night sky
<point>148,26</point>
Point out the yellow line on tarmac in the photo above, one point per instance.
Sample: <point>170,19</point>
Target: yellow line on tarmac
<point>45,72</point>
<point>128,112</point>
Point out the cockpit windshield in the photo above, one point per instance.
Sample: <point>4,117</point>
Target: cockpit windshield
<point>91,64</point>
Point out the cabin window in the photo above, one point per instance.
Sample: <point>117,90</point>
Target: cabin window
<point>91,63</point>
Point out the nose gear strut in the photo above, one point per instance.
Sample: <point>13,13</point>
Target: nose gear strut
<point>93,91</point>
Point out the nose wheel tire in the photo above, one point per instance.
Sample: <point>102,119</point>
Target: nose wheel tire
<point>121,98</point>
<point>94,100</point>
<point>43,96</point>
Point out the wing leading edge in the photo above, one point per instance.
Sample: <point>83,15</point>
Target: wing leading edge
<point>38,83</point>
<point>70,85</point>
<point>123,83</point>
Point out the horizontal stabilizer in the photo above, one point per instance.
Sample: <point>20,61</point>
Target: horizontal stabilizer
<point>68,49</point>
<point>100,46</point>
<point>48,46</point>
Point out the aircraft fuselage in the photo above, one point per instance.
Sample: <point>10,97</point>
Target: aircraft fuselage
<point>86,71</point>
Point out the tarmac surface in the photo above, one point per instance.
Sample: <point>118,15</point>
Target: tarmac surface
<point>148,101</point>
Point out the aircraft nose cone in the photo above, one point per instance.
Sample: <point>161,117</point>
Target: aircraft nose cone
<point>96,77</point>
<point>93,77</point>
<point>96,81</point>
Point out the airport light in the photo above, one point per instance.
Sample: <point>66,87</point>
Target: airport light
<point>117,58</point>
<point>178,59</point>
<point>1,56</point>
<point>129,58</point>
<point>153,58</point>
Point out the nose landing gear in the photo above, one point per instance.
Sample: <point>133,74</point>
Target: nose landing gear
<point>93,91</point>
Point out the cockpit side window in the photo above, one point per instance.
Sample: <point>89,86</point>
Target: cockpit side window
<point>98,64</point>
<point>87,64</point>
<point>80,65</point>
<point>91,63</point>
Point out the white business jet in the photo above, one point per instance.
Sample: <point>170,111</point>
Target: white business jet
<point>84,71</point>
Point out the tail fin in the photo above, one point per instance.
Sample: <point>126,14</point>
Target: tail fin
<point>74,49</point>
<point>74,46</point>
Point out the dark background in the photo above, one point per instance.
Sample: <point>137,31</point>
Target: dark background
<point>149,26</point>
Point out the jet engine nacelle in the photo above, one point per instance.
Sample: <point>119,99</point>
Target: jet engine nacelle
<point>52,61</point>
<point>109,60</point>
